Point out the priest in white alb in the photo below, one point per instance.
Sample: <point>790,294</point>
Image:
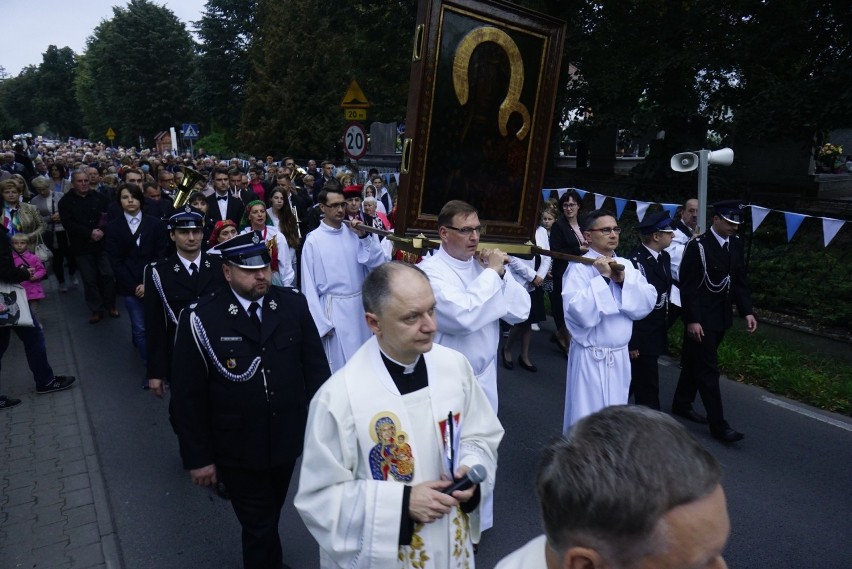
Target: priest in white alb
<point>335,260</point>
<point>600,305</point>
<point>391,430</point>
<point>474,291</point>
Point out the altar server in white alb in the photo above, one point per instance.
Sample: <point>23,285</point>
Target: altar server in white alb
<point>388,432</point>
<point>335,260</point>
<point>474,291</point>
<point>600,305</point>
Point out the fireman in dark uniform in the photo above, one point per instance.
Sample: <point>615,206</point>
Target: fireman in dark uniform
<point>712,278</point>
<point>650,338</point>
<point>250,359</point>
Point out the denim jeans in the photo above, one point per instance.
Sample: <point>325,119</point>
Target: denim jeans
<point>33,339</point>
<point>136,311</point>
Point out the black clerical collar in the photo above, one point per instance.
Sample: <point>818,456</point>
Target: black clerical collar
<point>409,382</point>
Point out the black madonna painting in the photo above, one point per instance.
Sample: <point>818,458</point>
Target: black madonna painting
<point>483,106</point>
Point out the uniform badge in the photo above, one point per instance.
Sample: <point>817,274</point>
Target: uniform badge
<point>187,209</point>
<point>177,268</point>
<point>255,239</point>
<point>231,363</point>
<point>207,263</point>
<point>233,310</point>
<point>273,305</point>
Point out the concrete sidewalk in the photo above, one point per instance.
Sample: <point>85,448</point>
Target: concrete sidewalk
<point>53,505</point>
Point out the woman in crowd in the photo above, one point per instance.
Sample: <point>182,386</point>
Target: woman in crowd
<point>46,201</point>
<point>59,178</point>
<point>132,241</point>
<point>565,237</point>
<point>380,220</point>
<point>199,202</point>
<point>18,216</point>
<point>282,254</point>
<point>541,265</point>
<point>222,231</point>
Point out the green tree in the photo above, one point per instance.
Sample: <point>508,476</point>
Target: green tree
<point>54,101</point>
<point>16,101</point>
<point>302,61</point>
<point>136,73</point>
<point>226,30</point>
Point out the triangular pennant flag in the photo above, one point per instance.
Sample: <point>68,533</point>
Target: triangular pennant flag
<point>619,207</point>
<point>581,192</point>
<point>830,227</point>
<point>758,214</point>
<point>599,201</point>
<point>794,220</point>
<point>671,208</point>
<point>396,177</point>
<point>641,208</point>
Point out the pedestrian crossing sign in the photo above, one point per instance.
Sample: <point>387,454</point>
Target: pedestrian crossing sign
<point>189,131</point>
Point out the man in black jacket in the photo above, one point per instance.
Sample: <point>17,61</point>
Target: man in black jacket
<point>650,339</point>
<point>84,216</point>
<point>250,361</point>
<point>170,286</point>
<point>32,337</point>
<point>712,277</point>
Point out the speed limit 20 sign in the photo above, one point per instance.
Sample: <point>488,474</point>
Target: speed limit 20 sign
<point>355,141</point>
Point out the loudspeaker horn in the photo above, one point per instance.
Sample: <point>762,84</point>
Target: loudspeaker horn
<point>722,157</point>
<point>685,162</point>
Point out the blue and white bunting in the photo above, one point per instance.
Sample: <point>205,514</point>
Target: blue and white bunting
<point>794,220</point>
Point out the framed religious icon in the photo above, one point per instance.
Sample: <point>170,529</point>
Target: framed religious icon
<point>480,109</point>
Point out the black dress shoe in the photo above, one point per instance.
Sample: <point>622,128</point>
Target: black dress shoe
<point>690,415</point>
<point>727,435</point>
<point>507,363</point>
<point>526,366</point>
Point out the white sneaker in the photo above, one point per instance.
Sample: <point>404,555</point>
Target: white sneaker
<point>535,327</point>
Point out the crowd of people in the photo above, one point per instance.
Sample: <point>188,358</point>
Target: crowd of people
<point>300,333</point>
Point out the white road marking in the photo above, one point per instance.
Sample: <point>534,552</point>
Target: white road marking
<point>807,413</point>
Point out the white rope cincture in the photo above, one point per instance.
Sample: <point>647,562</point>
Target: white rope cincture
<point>201,334</point>
<point>155,276</point>
<point>711,286</point>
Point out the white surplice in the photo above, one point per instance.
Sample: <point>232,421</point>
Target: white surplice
<point>600,316</point>
<point>530,556</point>
<point>675,251</point>
<point>334,265</point>
<point>355,517</point>
<point>471,300</point>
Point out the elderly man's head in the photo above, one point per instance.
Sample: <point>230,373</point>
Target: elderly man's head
<point>630,488</point>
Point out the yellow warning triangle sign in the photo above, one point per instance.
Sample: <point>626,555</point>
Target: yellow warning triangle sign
<point>354,97</point>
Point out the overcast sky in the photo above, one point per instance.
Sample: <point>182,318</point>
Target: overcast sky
<point>30,27</point>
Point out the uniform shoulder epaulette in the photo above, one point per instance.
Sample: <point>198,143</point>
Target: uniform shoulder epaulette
<point>290,289</point>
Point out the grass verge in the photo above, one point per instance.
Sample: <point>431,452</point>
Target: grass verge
<point>780,368</point>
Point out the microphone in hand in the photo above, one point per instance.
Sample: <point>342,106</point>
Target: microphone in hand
<point>476,475</point>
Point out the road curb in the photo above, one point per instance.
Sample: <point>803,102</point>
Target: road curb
<point>109,540</point>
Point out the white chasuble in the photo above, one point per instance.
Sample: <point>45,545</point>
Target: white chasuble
<point>365,442</point>
<point>599,316</point>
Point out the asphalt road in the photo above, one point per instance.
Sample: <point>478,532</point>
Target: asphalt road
<point>788,482</point>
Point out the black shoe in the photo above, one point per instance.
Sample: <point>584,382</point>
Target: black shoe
<point>727,435</point>
<point>59,383</point>
<point>507,363</point>
<point>526,366</point>
<point>690,415</point>
<point>8,402</point>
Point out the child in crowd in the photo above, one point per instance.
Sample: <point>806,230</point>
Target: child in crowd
<point>23,257</point>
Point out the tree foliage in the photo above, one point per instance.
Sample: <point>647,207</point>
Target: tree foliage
<point>136,74</point>
<point>226,31</point>
<point>300,71</point>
